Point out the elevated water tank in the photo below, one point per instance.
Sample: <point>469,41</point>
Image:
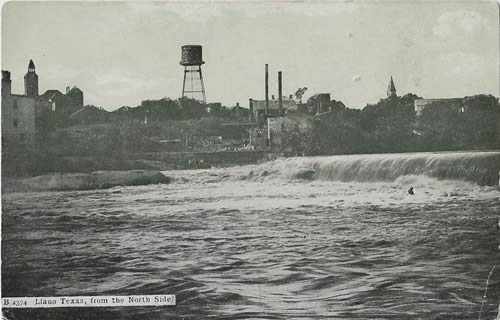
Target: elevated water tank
<point>191,55</point>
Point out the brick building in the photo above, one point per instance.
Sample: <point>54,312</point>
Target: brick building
<point>291,135</point>
<point>258,107</point>
<point>18,116</point>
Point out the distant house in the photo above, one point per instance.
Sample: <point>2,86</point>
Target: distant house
<point>319,103</point>
<point>54,98</point>
<point>239,111</point>
<point>421,104</point>
<point>259,107</point>
<point>214,107</point>
<point>65,104</point>
<point>74,96</point>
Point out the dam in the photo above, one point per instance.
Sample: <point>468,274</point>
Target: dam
<point>334,237</point>
<point>481,167</point>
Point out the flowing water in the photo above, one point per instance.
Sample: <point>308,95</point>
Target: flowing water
<point>300,238</point>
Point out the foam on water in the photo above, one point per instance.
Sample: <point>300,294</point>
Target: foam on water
<point>482,168</point>
<point>343,181</point>
<point>268,241</point>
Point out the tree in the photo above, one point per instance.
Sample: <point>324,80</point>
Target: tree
<point>441,127</point>
<point>466,124</point>
<point>391,123</point>
<point>479,118</point>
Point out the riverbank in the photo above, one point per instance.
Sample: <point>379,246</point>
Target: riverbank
<point>84,181</point>
<point>306,246</point>
<point>161,161</point>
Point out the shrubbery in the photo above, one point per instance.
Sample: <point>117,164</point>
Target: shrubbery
<point>391,125</point>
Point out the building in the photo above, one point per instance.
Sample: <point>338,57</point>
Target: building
<point>31,81</point>
<point>18,115</point>
<point>53,97</point>
<point>258,107</point>
<point>320,103</point>
<point>65,104</point>
<point>391,89</point>
<point>74,97</point>
<point>421,104</point>
<point>291,135</point>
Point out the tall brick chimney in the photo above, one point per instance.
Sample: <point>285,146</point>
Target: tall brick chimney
<point>267,90</point>
<point>280,94</point>
<point>250,112</point>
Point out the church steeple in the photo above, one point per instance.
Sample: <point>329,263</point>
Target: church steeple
<point>31,81</point>
<point>31,66</point>
<point>391,89</point>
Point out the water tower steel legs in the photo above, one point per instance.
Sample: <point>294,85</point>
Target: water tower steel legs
<point>202,86</point>
<point>184,82</point>
<point>191,70</point>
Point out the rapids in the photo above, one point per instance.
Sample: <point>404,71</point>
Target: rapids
<point>300,238</point>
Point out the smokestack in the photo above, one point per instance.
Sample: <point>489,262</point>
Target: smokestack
<point>67,89</point>
<point>267,90</point>
<point>280,94</point>
<point>250,108</point>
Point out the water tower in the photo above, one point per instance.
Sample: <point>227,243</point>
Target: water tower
<point>192,86</point>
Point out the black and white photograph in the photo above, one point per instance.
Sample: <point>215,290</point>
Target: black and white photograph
<point>250,160</point>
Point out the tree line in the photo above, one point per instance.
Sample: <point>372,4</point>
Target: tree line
<point>392,125</point>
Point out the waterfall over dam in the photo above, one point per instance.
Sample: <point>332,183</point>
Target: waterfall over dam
<point>481,167</point>
<point>336,237</point>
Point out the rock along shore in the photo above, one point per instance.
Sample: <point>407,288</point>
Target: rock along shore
<point>85,181</point>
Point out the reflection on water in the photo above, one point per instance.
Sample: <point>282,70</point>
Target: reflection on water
<point>242,243</point>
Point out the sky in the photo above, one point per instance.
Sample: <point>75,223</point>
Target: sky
<point>121,53</point>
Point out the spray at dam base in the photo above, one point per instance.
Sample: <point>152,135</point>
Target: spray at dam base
<point>482,167</point>
<point>294,238</point>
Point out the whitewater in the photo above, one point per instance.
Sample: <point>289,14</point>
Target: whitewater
<point>335,237</point>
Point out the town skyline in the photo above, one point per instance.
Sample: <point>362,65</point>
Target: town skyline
<point>113,70</point>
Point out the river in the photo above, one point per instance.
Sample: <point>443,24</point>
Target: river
<point>301,238</point>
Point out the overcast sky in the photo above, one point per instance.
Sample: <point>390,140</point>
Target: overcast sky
<point>120,53</point>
